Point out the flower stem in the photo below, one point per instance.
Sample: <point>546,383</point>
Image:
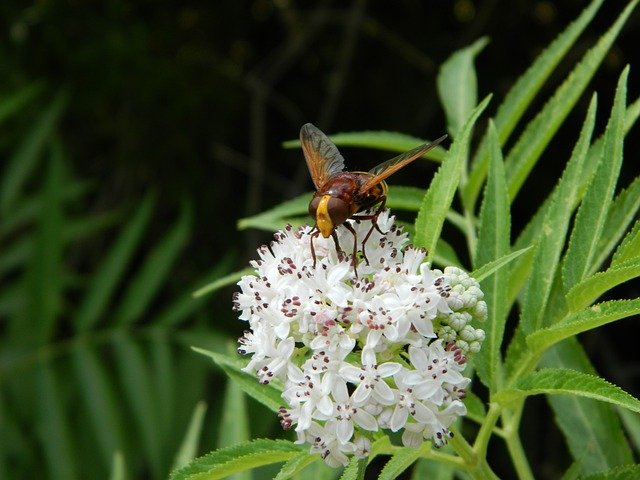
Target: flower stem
<point>477,466</point>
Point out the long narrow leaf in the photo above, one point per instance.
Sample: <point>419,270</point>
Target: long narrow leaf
<point>524,155</point>
<point>493,244</point>
<point>582,321</point>
<point>591,428</point>
<point>559,381</point>
<point>458,85</point>
<point>629,248</point>
<point>438,198</point>
<point>25,160</point>
<point>154,271</point>
<point>17,100</point>
<point>53,424</point>
<point>189,446</point>
<point>590,289</point>
<point>592,213</point>
<point>522,94</point>
<point>135,379</point>
<point>237,458</point>
<point>107,278</point>
<point>99,399</point>
<point>554,231</point>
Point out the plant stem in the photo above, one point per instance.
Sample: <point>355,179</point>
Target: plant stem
<point>477,467</point>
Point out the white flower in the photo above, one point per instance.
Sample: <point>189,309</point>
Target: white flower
<point>381,349</point>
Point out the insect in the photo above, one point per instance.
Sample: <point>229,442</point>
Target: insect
<point>340,194</point>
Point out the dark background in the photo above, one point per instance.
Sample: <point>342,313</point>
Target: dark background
<point>193,100</point>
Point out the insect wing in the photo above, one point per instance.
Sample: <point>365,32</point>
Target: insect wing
<point>389,167</point>
<point>322,156</point>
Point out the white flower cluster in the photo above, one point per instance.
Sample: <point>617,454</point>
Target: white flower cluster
<point>383,349</point>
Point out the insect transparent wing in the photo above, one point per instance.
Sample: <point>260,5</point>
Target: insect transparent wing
<point>322,156</point>
<point>388,168</point>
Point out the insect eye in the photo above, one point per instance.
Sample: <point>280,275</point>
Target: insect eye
<point>313,206</point>
<point>338,211</point>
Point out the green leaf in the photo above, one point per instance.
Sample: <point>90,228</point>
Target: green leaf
<point>402,459</point>
<point>590,289</point>
<point>560,381</point>
<point>295,465</point>
<point>238,458</point>
<point>100,402</point>
<point>53,424</point>
<point>629,248</point>
<point>355,469</point>
<point>268,395</point>
<point>458,85</point>
<point>24,162</point>
<point>189,446</point>
<point>379,140</point>
<point>622,212</point>
<point>225,281</point>
<point>443,187</point>
<point>118,470</point>
<point>109,276</point>
<point>17,100</point>
<point>591,428</point>
<point>530,234</point>
<point>234,427</point>
<point>582,321</point>
<point>524,155</point>
<point>154,271</point>
<point>488,269</point>
<point>135,379</point>
<point>625,472</point>
<point>592,214</point>
<point>522,94</point>
<point>554,230</point>
<point>493,244</point>
<point>44,275</point>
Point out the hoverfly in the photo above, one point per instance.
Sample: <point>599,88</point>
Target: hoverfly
<point>340,194</point>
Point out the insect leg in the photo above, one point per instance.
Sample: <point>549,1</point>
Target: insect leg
<point>355,247</point>
<point>374,224</point>
<point>314,234</point>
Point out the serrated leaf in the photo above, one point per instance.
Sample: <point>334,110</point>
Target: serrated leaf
<point>490,268</point>
<point>630,246</point>
<point>443,187</point>
<point>522,94</point>
<point>527,150</point>
<point>108,277</point>
<point>189,446</point>
<point>355,469</point>
<point>554,230</point>
<point>529,235</point>
<point>401,459</point>
<point>458,85</point>
<point>154,271</point>
<point>591,428</point>
<point>582,321</point>
<point>592,214</point>
<point>625,472</point>
<point>493,244</point>
<point>268,395</point>
<point>560,381</point>
<point>238,458</point>
<point>622,212</point>
<point>296,465</point>
<point>379,140</point>
<point>590,289</point>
